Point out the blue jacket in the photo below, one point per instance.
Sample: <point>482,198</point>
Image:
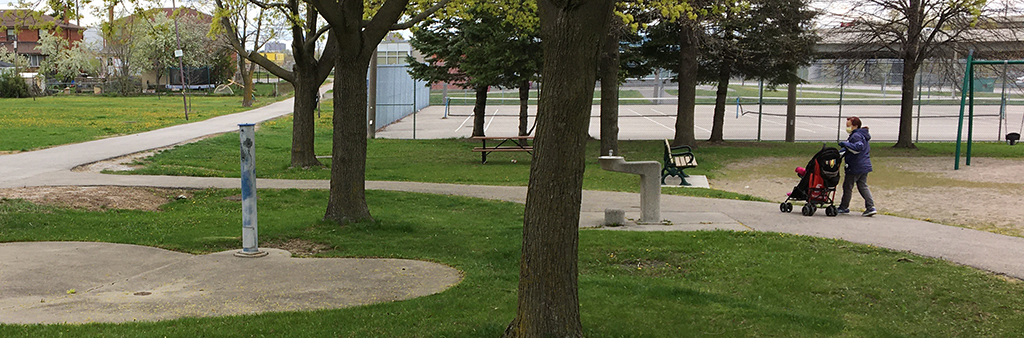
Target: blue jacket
<point>858,152</point>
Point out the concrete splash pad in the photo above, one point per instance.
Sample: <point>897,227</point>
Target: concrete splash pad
<point>76,282</point>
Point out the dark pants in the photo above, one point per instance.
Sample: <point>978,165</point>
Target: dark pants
<point>862,185</point>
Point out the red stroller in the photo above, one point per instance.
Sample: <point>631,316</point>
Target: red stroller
<point>818,185</point>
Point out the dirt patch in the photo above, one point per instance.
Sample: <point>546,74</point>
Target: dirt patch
<point>97,198</point>
<point>130,162</point>
<point>983,196</point>
<point>298,247</point>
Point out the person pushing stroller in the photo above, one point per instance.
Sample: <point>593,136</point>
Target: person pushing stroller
<point>858,164</point>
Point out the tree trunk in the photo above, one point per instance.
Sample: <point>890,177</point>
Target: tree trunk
<point>524,108</point>
<point>572,31</point>
<point>791,110</point>
<point>247,89</point>
<point>347,201</point>
<point>609,74</point>
<point>905,138</point>
<point>718,124</point>
<point>687,88</point>
<point>303,122</point>
<point>479,111</point>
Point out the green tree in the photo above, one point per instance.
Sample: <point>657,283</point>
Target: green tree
<point>479,49</point>
<point>307,75</point>
<point>359,30</point>
<point>676,33</point>
<point>156,39</point>
<point>572,33</point>
<point>761,39</point>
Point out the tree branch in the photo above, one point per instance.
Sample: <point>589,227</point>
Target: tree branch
<point>416,19</point>
<point>326,62</point>
<point>381,23</point>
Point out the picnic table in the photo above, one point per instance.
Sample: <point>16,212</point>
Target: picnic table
<point>505,144</point>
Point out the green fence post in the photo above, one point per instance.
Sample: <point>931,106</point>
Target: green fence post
<point>963,101</point>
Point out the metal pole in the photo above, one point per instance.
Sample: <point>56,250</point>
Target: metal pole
<point>1002,105</point>
<point>181,64</point>
<point>970,117</point>
<point>842,88</point>
<point>737,107</point>
<point>963,101</point>
<point>760,105</point>
<point>917,136</point>
<point>413,109</point>
<point>250,246</point>
<point>447,106</point>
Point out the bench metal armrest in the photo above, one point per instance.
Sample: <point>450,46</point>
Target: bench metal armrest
<point>688,149</point>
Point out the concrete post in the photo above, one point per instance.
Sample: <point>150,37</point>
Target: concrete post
<point>650,184</point>
<point>250,238</point>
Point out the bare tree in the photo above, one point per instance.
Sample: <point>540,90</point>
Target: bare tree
<point>912,31</point>
<point>250,29</point>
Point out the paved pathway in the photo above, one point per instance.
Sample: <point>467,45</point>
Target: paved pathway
<point>993,252</point>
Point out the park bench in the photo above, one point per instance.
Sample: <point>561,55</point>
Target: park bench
<point>676,162</point>
<point>507,144</point>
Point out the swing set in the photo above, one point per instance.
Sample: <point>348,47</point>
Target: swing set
<point>967,99</point>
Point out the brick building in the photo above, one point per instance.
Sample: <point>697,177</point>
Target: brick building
<point>20,31</point>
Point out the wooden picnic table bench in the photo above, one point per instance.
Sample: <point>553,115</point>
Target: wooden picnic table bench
<point>506,144</point>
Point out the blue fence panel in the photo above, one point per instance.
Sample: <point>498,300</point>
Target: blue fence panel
<point>398,94</point>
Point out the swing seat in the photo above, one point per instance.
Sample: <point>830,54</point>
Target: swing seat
<point>1012,138</point>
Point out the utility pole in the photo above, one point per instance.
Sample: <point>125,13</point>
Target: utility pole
<point>181,64</point>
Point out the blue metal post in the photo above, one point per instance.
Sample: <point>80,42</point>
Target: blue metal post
<point>737,107</point>
<point>250,239</point>
<point>447,105</point>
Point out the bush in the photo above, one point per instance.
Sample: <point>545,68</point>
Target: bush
<point>123,86</point>
<point>12,85</point>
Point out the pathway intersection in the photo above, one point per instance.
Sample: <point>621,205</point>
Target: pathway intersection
<point>34,299</point>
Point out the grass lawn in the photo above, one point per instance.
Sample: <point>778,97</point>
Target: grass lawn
<point>441,161</point>
<point>676,284</point>
<point>452,161</point>
<point>29,124</point>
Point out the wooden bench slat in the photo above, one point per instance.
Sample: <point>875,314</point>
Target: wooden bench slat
<point>503,149</point>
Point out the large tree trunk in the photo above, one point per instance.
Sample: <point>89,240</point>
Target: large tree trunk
<point>685,107</point>
<point>548,296</point>
<point>524,108</point>
<point>609,74</point>
<point>480,111</point>
<point>791,110</point>
<point>905,138</point>
<point>347,201</point>
<point>718,124</point>
<point>247,85</point>
<point>307,89</point>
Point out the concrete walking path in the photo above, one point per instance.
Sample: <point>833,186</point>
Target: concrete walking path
<point>98,294</point>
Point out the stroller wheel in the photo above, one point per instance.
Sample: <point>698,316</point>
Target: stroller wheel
<point>831,211</point>
<point>806,210</point>
<point>786,207</point>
